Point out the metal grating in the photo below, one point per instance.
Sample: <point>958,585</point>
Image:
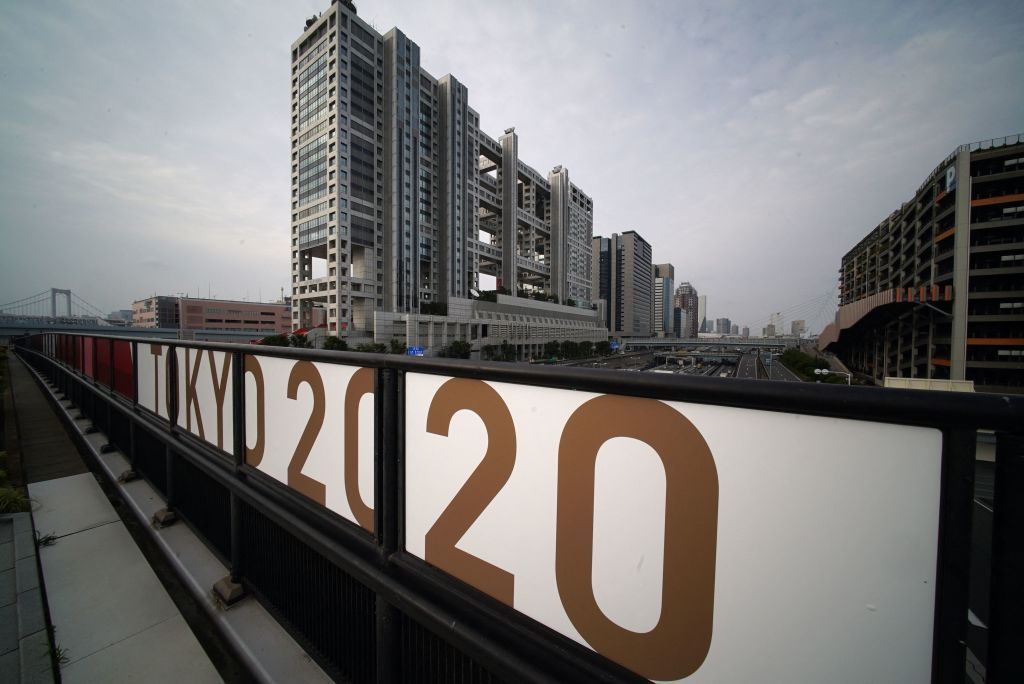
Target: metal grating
<point>149,460</point>
<point>330,613</point>
<point>427,658</point>
<point>204,502</point>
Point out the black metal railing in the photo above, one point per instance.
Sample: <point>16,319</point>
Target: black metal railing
<point>368,610</point>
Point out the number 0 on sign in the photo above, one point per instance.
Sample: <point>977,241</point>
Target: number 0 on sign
<point>501,494</point>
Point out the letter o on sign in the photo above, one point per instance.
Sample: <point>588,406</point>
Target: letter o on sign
<point>679,643</point>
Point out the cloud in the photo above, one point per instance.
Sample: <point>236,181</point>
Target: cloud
<point>751,144</point>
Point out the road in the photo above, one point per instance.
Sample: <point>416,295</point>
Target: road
<point>747,367</point>
<point>780,372</point>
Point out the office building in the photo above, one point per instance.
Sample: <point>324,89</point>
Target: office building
<point>158,311</point>
<point>723,326</point>
<point>661,318</point>
<point>702,314</point>
<point>735,330</point>
<point>745,332</point>
<point>402,205</point>
<point>936,290</point>
<point>687,300</point>
<point>623,277</point>
<point>769,330</point>
<point>798,328</point>
<point>193,313</point>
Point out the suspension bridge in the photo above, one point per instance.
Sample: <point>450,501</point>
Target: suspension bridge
<point>55,306</point>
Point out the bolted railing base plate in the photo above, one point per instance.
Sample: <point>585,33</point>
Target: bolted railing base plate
<point>228,591</point>
<point>164,518</point>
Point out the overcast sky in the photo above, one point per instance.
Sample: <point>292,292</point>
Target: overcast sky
<point>145,144</point>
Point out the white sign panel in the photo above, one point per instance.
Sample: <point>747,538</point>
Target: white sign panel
<point>310,426</point>
<point>154,394</point>
<point>683,541</point>
<point>205,396</point>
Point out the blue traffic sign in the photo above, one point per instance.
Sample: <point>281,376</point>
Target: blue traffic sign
<point>414,351</point>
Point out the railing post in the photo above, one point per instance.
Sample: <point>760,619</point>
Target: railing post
<point>110,388</point>
<point>1006,620</point>
<point>389,442</point>
<point>166,515</point>
<point>135,374</point>
<point>238,425</point>
<point>949,645</point>
<point>229,589</point>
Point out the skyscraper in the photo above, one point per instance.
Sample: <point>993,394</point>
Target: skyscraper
<point>401,202</point>
<point>702,314</point>
<point>628,287</point>
<point>664,275</point>
<point>686,299</point>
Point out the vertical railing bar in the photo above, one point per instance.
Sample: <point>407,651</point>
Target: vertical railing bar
<point>1006,619</point>
<point>388,432</point>
<point>238,451</point>
<point>110,389</point>
<point>135,374</point>
<point>399,474</point>
<point>171,384</point>
<point>954,561</point>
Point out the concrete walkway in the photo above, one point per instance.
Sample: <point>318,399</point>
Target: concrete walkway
<point>113,619</point>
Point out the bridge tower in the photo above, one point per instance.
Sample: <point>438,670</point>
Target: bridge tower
<point>54,292</point>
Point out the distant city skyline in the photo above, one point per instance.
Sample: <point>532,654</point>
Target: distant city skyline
<point>145,156</point>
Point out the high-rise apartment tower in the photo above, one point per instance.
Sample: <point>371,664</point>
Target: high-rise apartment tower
<point>400,202</point>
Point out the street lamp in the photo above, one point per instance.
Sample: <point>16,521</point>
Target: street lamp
<point>823,371</point>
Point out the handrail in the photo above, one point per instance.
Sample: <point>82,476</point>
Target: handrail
<point>384,563</point>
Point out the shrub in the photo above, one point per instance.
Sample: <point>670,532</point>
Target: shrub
<point>335,343</point>
<point>13,501</point>
<point>275,341</point>
<point>300,341</point>
<point>459,349</point>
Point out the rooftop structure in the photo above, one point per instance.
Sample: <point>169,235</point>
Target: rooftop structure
<point>936,291</point>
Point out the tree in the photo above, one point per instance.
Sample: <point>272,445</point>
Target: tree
<point>586,349</point>
<point>602,348</point>
<point>487,352</point>
<point>552,349</point>
<point>275,341</point>
<point>372,348</point>
<point>397,346</point>
<point>459,349</point>
<point>570,349</point>
<point>570,302</point>
<point>335,343</point>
